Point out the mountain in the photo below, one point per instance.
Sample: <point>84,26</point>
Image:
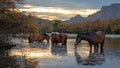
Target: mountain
<point>40,21</point>
<point>106,12</point>
<point>77,18</point>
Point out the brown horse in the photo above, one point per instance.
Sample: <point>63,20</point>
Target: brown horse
<point>38,37</point>
<point>59,38</point>
<point>94,38</point>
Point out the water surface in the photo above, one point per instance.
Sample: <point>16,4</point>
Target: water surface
<point>40,55</point>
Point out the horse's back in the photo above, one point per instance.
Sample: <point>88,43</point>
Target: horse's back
<point>99,36</point>
<point>55,37</point>
<point>38,37</point>
<point>63,35</point>
<point>58,38</point>
<point>33,36</point>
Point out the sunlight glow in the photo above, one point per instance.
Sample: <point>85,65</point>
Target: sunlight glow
<point>31,54</point>
<point>83,12</point>
<point>57,10</point>
<point>47,17</point>
<point>36,54</point>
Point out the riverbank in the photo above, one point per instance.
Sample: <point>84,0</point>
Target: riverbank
<point>107,35</point>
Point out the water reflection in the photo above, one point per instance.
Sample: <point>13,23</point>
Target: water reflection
<point>94,58</point>
<point>43,56</point>
<point>113,44</point>
<point>39,45</point>
<point>58,50</point>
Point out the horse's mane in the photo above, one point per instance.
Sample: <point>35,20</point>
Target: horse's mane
<point>91,32</point>
<point>45,34</point>
<point>84,33</point>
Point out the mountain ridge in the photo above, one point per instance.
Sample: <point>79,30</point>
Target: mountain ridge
<point>106,12</point>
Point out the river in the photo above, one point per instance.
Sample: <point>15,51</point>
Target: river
<point>42,55</point>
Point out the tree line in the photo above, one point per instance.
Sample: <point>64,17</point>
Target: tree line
<point>109,26</point>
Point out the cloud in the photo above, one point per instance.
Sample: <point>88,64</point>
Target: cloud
<point>58,11</point>
<point>71,4</point>
<point>47,17</point>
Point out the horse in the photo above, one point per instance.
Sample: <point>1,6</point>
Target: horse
<point>94,38</point>
<point>59,38</point>
<point>38,37</point>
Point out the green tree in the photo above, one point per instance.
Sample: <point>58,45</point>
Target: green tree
<point>12,21</point>
<point>56,23</point>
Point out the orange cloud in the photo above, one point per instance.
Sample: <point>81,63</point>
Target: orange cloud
<point>57,10</point>
<point>47,17</point>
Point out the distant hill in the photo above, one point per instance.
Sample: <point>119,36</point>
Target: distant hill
<point>40,21</point>
<point>106,12</point>
<point>77,18</point>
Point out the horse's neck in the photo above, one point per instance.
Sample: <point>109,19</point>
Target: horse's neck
<point>86,37</point>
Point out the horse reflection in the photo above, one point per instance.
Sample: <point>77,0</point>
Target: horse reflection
<point>94,58</point>
<point>58,50</point>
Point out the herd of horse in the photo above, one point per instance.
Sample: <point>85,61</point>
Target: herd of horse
<point>93,38</point>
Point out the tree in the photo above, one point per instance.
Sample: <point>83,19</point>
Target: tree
<point>56,23</point>
<point>115,25</point>
<point>12,21</point>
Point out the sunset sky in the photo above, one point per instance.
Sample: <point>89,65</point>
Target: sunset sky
<point>64,9</point>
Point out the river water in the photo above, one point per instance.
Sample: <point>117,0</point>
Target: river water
<point>42,55</point>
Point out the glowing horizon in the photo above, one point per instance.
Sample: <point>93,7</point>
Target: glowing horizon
<point>49,11</point>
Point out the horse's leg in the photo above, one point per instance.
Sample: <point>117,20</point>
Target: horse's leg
<point>75,47</point>
<point>39,41</point>
<point>97,46</point>
<point>62,44</point>
<point>48,41</point>
<point>90,47</point>
<point>55,44</point>
<point>101,48</point>
<point>52,43</point>
<point>29,39</point>
<point>65,42</point>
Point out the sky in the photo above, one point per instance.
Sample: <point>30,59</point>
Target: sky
<point>64,9</point>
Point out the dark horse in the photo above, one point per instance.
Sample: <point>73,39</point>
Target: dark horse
<point>39,37</point>
<point>59,38</point>
<point>94,38</point>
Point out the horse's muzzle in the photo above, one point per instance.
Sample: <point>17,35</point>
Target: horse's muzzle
<point>75,44</point>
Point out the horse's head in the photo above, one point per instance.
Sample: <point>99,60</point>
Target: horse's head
<point>78,39</point>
